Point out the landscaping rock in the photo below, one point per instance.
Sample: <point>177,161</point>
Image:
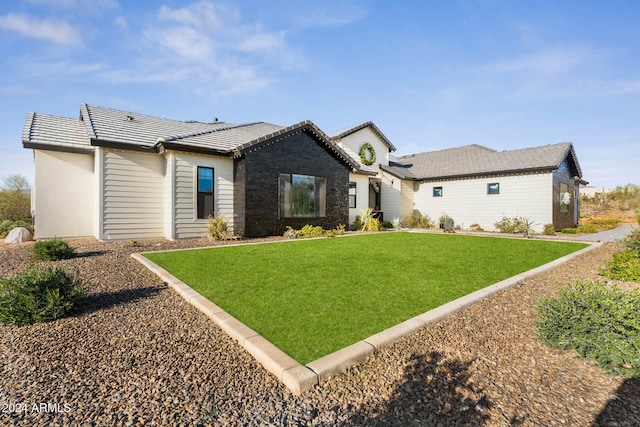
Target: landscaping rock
<point>18,235</point>
<point>140,355</point>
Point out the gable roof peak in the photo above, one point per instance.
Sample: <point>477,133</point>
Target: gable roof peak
<point>341,133</point>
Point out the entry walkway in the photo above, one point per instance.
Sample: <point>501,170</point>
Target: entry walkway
<point>620,232</point>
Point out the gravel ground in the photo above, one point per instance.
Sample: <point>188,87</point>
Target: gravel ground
<point>140,355</point>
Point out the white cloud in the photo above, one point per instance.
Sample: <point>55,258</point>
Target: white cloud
<point>121,22</point>
<point>199,15</point>
<point>59,32</point>
<point>546,62</point>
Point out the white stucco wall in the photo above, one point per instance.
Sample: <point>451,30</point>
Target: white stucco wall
<point>467,201</point>
<point>132,195</point>
<point>187,225</point>
<point>63,201</point>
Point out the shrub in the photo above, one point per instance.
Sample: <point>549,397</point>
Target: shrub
<point>569,231</point>
<point>39,295</point>
<point>290,233</point>
<point>549,230</point>
<point>600,324</point>
<point>53,250</point>
<point>587,228</point>
<point>397,225</point>
<point>309,231</point>
<point>7,225</point>
<point>446,221</point>
<point>475,227</point>
<point>417,220</point>
<point>624,266</point>
<point>509,225</point>
<point>357,223</point>
<point>599,223</point>
<point>369,222</point>
<point>632,241</point>
<point>218,229</point>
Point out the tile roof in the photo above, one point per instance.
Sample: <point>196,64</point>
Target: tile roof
<point>55,132</point>
<point>100,126</point>
<point>475,160</point>
<point>341,133</point>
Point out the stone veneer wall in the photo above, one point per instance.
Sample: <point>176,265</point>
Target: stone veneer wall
<point>256,185</point>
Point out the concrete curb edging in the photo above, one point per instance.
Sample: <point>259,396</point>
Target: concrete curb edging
<point>300,378</point>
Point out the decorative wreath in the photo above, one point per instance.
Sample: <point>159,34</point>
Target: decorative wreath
<point>367,148</point>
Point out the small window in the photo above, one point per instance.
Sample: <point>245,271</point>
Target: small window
<point>205,192</point>
<point>493,188</point>
<point>352,194</point>
<point>437,191</point>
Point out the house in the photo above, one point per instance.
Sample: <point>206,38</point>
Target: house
<point>117,175</point>
<point>478,185</point>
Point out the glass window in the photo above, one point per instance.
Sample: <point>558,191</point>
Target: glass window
<point>205,192</point>
<point>352,194</point>
<point>565,197</point>
<point>302,196</point>
<point>437,191</point>
<point>493,188</point>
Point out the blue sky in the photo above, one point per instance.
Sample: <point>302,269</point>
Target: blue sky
<point>429,74</point>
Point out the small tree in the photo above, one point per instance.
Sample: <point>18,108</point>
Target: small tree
<point>14,203</point>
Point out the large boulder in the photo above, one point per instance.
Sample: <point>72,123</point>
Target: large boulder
<point>18,235</point>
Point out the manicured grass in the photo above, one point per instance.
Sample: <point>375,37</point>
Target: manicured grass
<point>313,297</point>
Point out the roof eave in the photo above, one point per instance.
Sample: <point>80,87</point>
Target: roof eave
<point>58,148</point>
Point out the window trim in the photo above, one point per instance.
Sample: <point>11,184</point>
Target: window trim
<point>198,207</point>
<point>493,193</point>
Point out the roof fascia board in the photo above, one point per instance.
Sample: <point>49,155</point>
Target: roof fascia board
<point>59,148</point>
<point>487,174</point>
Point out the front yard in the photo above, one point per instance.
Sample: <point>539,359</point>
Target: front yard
<point>313,297</point>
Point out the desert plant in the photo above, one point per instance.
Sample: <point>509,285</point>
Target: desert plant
<point>290,233</point>
<point>624,265</point>
<point>549,230</point>
<point>600,324</point>
<point>397,225</point>
<point>526,227</point>
<point>8,224</point>
<point>446,221</point>
<point>509,225</point>
<point>369,222</point>
<point>417,220</point>
<point>53,250</point>
<point>475,227</point>
<point>218,228</point>
<point>38,295</point>
<point>587,228</point>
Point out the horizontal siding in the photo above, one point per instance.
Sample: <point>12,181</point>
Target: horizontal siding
<point>187,226</point>
<point>406,199</point>
<point>133,187</point>
<point>467,201</point>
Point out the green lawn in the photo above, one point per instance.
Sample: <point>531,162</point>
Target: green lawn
<point>313,297</point>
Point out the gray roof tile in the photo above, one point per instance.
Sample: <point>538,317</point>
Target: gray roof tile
<point>45,130</point>
<point>473,160</point>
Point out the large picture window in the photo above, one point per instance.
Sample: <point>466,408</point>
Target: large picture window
<point>352,194</point>
<point>205,192</point>
<point>302,196</point>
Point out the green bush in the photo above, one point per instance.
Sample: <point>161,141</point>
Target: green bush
<point>8,224</point>
<point>632,241</point>
<point>569,231</point>
<point>549,230</point>
<point>39,295</point>
<point>357,223</point>
<point>624,266</point>
<point>600,324</point>
<point>53,250</point>
<point>310,231</point>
